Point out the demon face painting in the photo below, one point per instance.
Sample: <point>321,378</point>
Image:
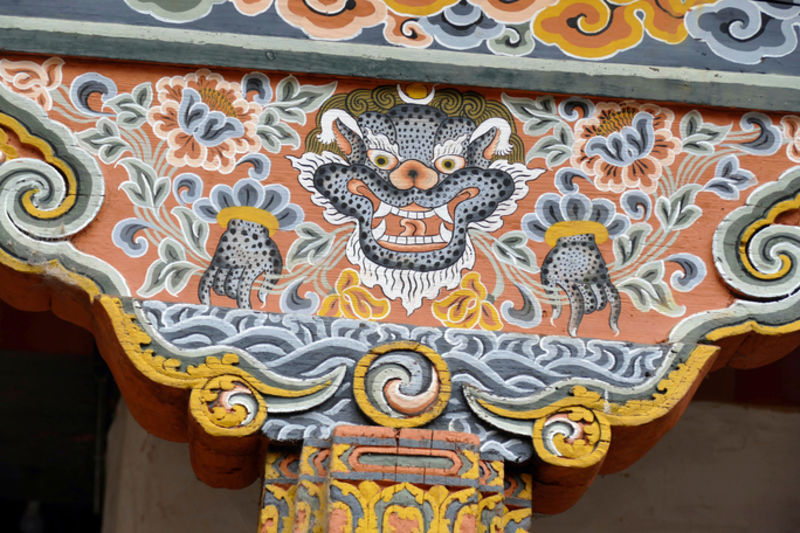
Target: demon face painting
<point>415,179</point>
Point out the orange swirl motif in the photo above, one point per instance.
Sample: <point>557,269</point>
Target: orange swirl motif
<point>332,19</point>
<point>420,8</point>
<point>598,29</point>
<point>513,12</point>
<point>405,31</point>
<point>251,7</point>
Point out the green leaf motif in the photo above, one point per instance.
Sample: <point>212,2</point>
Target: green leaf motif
<point>699,138</point>
<point>144,188</point>
<point>629,246</point>
<point>538,116</point>
<point>194,230</point>
<point>313,244</point>
<point>104,141</point>
<point>273,133</point>
<point>131,109</point>
<point>555,149</point>
<point>678,212</point>
<point>512,248</point>
<point>170,272</point>
<point>294,101</point>
<point>648,291</point>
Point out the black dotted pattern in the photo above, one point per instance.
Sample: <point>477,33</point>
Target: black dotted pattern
<point>416,129</point>
<point>244,252</point>
<point>576,266</point>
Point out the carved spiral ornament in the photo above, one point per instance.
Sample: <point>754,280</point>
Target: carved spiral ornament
<point>227,405</point>
<point>757,254</point>
<point>42,194</point>
<point>402,384</point>
<point>572,436</point>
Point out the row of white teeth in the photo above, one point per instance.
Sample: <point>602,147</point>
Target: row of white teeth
<point>444,236</point>
<point>441,212</point>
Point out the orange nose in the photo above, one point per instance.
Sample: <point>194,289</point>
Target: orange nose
<point>413,173</point>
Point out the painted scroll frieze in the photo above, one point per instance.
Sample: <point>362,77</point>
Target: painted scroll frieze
<point>410,204</point>
<point>294,254</point>
<point>720,34</point>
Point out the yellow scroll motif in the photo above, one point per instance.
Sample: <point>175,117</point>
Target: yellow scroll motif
<point>430,408</point>
<point>7,121</point>
<point>588,446</point>
<point>600,28</point>
<point>752,229</point>
<point>208,381</point>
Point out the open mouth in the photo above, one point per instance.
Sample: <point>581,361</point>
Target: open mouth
<point>412,228</point>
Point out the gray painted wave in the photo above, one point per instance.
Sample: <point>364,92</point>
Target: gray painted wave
<point>306,347</point>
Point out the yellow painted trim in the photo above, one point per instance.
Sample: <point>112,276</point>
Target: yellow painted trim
<point>786,264</point>
<point>569,228</point>
<point>49,155</point>
<point>6,148</point>
<point>362,399</point>
<point>214,374</point>
<point>632,412</point>
<point>752,326</point>
<point>420,9</point>
<point>580,453</point>
<point>250,214</point>
<point>52,269</point>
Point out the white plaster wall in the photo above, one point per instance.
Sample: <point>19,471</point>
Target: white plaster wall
<point>150,488</point>
<point>723,468</point>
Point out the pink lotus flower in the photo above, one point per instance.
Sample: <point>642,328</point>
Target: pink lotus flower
<point>205,120</point>
<point>625,146</point>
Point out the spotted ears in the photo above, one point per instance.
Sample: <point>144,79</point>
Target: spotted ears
<point>490,138</point>
<point>338,125</point>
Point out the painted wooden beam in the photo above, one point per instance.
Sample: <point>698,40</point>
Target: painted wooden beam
<point>778,92</point>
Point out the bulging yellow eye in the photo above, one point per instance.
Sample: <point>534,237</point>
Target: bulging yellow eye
<point>450,163</point>
<point>382,159</point>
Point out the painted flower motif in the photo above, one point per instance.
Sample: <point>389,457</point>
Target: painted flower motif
<point>599,29</point>
<point>461,26</point>
<point>573,225</point>
<point>574,210</point>
<point>248,199</point>
<point>251,7</point>
<point>33,80</point>
<point>791,130</point>
<point>205,121</point>
<point>467,306</point>
<point>353,301</point>
<point>625,146</point>
<point>332,20</point>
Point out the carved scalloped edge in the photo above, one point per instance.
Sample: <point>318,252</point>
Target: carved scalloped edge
<point>161,399</point>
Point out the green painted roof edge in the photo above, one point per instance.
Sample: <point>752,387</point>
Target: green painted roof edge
<point>192,47</point>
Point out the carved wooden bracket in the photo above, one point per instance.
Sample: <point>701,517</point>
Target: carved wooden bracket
<point>433,290</point>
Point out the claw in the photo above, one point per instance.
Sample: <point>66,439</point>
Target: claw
<point>576,311</point>
<point>615,308</point>
<point>576,266</point>
<point>244,252</point>
<point>245,285</point>
<point>204,289</point>
<point>232,282</point>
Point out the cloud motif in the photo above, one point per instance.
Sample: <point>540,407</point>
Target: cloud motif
<point>746,32</point>
<point>171,11</point>
<point>461,27</point>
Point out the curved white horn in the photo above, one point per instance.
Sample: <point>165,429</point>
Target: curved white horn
<point>409,100</point>
<point>502,146</point>
<point>327,134</point>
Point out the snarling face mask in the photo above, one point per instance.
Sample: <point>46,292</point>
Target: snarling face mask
<point>415,181</point>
